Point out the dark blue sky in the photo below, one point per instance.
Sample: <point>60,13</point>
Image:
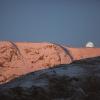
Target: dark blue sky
<point>72,22</point>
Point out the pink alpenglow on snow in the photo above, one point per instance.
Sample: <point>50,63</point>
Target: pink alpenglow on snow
<point>20,58</point>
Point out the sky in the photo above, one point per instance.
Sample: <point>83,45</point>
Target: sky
<point>69,22</point>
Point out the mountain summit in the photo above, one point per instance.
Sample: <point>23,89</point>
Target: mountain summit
<point>20,58</point>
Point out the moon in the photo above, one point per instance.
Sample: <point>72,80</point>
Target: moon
<point>90,44</point>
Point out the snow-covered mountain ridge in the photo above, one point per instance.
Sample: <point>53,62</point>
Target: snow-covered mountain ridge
<point>21,58</point>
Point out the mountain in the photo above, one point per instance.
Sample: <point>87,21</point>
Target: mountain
<point>48,71</point>
<point>20,58</point>
<point>79,80</point>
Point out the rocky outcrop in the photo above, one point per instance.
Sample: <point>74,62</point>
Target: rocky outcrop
<point>20,58</point>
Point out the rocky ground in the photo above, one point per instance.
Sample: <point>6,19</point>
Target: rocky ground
<point>79,80</point>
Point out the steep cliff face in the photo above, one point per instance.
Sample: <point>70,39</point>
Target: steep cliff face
<point>19,58</point>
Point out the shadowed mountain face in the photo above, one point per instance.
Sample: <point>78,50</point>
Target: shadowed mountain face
<point>79,80</point>
<point>20,58</point>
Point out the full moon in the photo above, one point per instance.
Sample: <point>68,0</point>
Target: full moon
<point>90,44</point>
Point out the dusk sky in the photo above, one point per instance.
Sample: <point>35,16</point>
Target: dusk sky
<point>70,22</point>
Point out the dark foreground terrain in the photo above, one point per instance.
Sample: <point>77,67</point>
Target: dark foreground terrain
<point>77,81</point>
